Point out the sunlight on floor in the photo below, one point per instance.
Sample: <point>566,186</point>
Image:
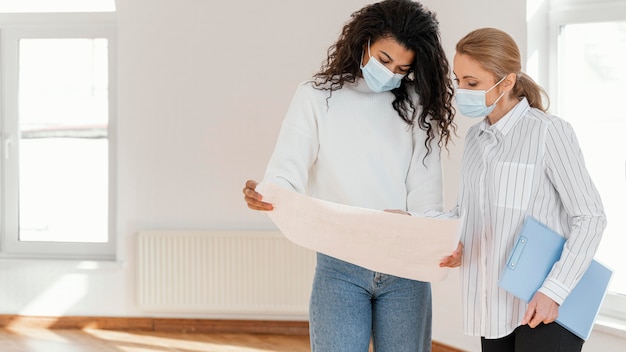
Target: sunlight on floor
<point>141,342</point>
<point>95,340</point>
<point>127,341</point>
<point>39,334</point>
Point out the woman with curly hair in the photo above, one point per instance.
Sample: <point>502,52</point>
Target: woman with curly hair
<point>367,131</point>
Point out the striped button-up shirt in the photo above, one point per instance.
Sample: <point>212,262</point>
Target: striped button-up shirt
<point>528,163</point>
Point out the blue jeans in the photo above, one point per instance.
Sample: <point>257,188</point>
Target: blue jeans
<point>350,304</point>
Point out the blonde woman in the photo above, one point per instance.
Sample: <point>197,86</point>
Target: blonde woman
<point>518,161</point>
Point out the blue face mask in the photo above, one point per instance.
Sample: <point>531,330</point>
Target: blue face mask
<point>378,77</point>
<point>473,103</point>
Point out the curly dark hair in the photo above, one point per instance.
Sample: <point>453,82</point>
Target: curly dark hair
<point>415,28</point>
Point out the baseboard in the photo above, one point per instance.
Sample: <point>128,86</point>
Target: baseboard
<point>442,347</point>
<point>205,326</point>
<point>159,324</point>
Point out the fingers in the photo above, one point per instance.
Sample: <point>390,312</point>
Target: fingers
<point>458,252</point>
<point>449,262</point>
<point>454,260</point>
<point>530,313</point>
<point>541,309</point>
<point>251,184</point>
<point>537,318</point>
<point>397,211</point>
<point>254,199</point>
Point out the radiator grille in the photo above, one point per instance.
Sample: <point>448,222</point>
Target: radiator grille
<point>224,272</point>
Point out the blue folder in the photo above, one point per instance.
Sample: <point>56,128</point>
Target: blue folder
<point>536,249</point>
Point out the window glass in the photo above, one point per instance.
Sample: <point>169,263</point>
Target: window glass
<point>15,6</point>
<point>591,81</point>
<point>63,144</point>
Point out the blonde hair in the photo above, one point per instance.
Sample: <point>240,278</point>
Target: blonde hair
<point>497,52</point>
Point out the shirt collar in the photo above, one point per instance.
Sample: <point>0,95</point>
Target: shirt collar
<point>509,120</point>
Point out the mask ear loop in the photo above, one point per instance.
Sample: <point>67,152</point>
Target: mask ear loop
<point>501,95</point>
<point>368,52</point>
<point>495,85</point>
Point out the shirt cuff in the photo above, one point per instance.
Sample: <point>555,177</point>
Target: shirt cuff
<point>555,290</point>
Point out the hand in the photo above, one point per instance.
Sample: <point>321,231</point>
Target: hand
<point>541,309</point>
<point>253,198</point>
<point>398,211</point>
<point>453,260</point>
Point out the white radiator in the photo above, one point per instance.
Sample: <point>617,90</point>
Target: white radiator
<point>251,273</point>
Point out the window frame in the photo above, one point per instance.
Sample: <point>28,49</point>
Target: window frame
<point>567,12</point>
<point>14,27</point>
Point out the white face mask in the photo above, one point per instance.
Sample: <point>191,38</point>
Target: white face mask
<point>473,102</point>
<point>378,77</point>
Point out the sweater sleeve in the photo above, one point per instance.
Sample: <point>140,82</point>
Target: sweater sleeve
<point>297,144</point>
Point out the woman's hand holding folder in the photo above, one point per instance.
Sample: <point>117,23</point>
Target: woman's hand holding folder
<point>541,309</point>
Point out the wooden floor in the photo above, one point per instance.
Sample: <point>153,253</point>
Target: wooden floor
<point>88,340</point>
<point>106,334</point>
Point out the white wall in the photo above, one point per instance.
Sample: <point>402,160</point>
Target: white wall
<point>203,89</point>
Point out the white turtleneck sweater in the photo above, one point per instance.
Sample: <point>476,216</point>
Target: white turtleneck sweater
<point>353,148</point>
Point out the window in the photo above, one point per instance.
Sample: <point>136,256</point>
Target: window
<point>592,77</point>
<point>58,107</point>
<point>35,6</point>
<point>589,51</point>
